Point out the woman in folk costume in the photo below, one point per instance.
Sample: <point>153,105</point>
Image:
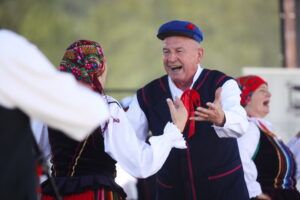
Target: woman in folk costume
<point>269,165</point>
<point>86,170</point>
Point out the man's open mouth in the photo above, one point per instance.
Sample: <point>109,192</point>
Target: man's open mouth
<point>176,68</point>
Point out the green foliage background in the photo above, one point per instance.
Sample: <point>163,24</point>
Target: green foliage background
<point>237,32</point>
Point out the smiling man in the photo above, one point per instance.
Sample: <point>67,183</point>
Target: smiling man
<point>181,57</point>
<point>210,168</point>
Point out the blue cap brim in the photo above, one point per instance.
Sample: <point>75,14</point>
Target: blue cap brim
<point>180,28</point>
<point>162,36</point>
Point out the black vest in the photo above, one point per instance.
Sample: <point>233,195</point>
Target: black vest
<point>186,173</point>
<point>275,164</point>
<point>17,168</point>
<point>80,166</point>
<point>73,158</point>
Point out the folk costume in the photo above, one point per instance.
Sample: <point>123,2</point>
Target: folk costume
<point>210,168</point>
<point>86,170</point>
<point>31,87</point>
<point>269,164</point>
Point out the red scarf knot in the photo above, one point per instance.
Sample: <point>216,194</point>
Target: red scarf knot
<point>191,100</point>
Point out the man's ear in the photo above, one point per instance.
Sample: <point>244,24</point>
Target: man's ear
<point>200,54</point>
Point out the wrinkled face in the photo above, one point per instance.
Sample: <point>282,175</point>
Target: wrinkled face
<point>258,106</point>
<point>181,56</point>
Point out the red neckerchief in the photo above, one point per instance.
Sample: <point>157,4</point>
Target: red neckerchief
<point>191,100</point>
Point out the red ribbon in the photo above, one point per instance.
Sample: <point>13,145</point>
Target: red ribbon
<point>266,130</point>
<point>191,100</point>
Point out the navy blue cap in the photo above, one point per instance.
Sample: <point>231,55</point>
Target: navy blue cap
<point>180,28</point>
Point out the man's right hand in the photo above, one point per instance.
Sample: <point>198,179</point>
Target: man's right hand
<point>214,113</point>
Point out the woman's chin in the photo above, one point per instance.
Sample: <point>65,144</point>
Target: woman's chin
<point>265,113</point>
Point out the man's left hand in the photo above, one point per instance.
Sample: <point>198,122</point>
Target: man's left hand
<point>213,113</point>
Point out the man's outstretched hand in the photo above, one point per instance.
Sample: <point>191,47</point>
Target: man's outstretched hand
<point>213,113</point>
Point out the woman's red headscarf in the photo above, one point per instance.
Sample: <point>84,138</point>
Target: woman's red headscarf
<point>248,85</point>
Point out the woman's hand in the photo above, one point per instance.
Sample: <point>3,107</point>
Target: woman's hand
<point>178,112</point>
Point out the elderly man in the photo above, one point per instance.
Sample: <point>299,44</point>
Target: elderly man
<point>210,168</point>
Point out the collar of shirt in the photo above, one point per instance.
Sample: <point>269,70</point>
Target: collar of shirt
<point>261,120</point>
<point>175,91</point>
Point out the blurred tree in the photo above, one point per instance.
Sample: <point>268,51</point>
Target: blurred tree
<point>236,33</point>
<point>12,11</point>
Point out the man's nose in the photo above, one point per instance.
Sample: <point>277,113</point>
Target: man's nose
<point>172,57</point>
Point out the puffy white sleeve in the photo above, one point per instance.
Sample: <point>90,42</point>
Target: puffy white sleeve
<point>28,81</point>
<point>248,145</point>
<point>133,154</point>
<point>294,145</point>
<point>138,119</point>
<point>236,118</point>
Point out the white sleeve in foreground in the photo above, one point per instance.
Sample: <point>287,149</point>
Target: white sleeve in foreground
<point>28,81</point>
<point>133,154</point>
<point>236,119</point>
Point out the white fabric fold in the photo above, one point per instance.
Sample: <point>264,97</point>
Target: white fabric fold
<point>28,81</point>
<point>133,154</point>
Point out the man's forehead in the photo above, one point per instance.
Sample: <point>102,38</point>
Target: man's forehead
<point>179,42</point>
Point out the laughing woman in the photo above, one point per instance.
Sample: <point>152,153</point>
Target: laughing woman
<point>86,170</point>
<point>269,165</point>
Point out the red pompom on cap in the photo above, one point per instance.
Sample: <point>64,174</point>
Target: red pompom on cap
<point>190,26</point>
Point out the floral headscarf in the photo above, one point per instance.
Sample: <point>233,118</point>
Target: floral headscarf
<point>248,85</point>
<point>86,61</point>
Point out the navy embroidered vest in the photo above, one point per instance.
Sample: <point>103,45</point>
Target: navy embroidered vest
<point>17,168</point>
<point>186,173</point>
<point>73,158</point>
<point>275,163</point>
